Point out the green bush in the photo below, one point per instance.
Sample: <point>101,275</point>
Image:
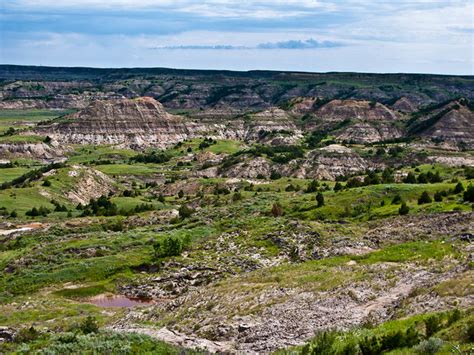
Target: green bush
<point>429,347</point>
<point>185,212</point>
<point>320,199</point>
<point>171,246</point>
<point>89,325</point>
<point>404,209</point>
<point>424,198</point>
<point>469,194</point>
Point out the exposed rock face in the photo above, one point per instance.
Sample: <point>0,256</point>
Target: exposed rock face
<point>369,132</point>
<point>250,169</point>
<point>90,184</point>
<point>340,110</point>
<point>406,105</point>
<point>30,150</point>
<point>455,126</point>
<point>272,126</point>
<point>137,122</point>
<point>333,161</point>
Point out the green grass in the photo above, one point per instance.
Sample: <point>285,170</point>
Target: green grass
<point>8,174</point>
<point>90,153</point>
<point>23,199</point>
<point>128,169</point>
<point>22,139</point>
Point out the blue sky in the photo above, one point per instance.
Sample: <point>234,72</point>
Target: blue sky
<point>310,35</point>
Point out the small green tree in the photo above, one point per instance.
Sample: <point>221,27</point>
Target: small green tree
<point>338,186</point>
<point>424,198</point>
<point>312,186</point>
<point>185,212</point>
<point>161,198</point>
<point>469,194</point>
<point>438,196</point>
<point>89,325</point>
<point>397,199</point>
<point>320,199</point>
<point>404,209</point>
<point>410,178</point>
<point>458,188</point>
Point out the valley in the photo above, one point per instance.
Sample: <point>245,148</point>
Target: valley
<point>181,211</point>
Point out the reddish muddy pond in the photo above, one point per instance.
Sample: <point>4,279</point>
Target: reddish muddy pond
<point>119,301</point>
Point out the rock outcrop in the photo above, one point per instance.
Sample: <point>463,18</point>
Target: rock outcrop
<point>138,122</point>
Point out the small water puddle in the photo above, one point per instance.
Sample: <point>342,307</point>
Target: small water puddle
<point>119,301</point>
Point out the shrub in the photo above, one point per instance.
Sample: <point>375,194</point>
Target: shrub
<point>397,199</point>
<point>100,207</point>
<point>161,198</point>
<point>454,316</point>
<point>275,175</point>
<point>387,176</point>
<point>26,335</point>
<point>312,186</point>
<point>35,212</point>
<point>323,344</point>
<point>338,186</point>
<point>469,194</point>
<point>185,212</point>
<point>404,209</point>
<point>410,178</point>
<point>46,183</point>
<point>458,188</point>
<point>237,196</point>
<point>153,157</point>
<point>438,196</point>
<point>320,199</point>
<point>169,247</point>
<point>89,325</point>
<point>277,210</point>
<point>424,198</point>
<point>429,347</point>
<point>370,346</point>
<point>180,194</point>
<point>470,331</point>
<point>432,325</point>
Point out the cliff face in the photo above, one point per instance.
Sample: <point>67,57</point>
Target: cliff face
<point>452,123</point>
<point>137,122</point>
<point>339,110</point>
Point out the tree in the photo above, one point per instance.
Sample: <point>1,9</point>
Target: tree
<point>397,199</point>
<point>424,198</point>
<point>46,183</point>
<point>277,210</point>
<point>180,194</point>
<point>161,198</point>
<point>469,194</point>
<point>458,188</point>
<point>410,178</point>
<point>89,325</point>
<point>237,196</point>
<point>404,209</point>
<point>185,212</point>
<point>438,196</point>
<point>387,176</point>
<point>338,186</point>
<point>320,199</point>
<point>312,186</point>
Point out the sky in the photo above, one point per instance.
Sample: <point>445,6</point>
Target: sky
<point>384,36</point>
